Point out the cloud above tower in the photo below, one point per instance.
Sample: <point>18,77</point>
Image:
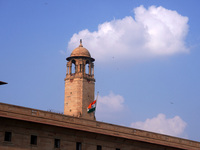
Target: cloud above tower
<point>151,33</point>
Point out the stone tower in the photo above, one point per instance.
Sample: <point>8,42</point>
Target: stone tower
<point>79,83</point>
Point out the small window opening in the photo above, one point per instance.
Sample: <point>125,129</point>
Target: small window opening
<point>78,146</point>
<point>57,143</point>
<point>8,136</point>
<point>73,67</point>
<point>33,139</point>
<point>117,148</point>
<point>99,147</point>
<point>80,68</point>
<point>87,68</point>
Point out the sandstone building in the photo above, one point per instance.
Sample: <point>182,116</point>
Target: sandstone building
<point>79,84</point>
<point>31,129</point>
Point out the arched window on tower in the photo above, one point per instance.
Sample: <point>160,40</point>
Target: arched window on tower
<point>73,66</point>
<point>87,67</point>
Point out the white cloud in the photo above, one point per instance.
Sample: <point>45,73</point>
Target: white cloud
<point>154,32</point>
<point>110,108</point>
<point>160,124</point>
<point>110,103</point>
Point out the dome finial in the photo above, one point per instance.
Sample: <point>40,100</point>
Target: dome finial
<point>80,43</point>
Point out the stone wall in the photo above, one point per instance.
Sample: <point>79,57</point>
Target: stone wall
<point>79,88</point>
<point>79,93</point>
<point>23,122</point>
<point>46,135</point>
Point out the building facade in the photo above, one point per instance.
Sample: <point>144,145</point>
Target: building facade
<point>25,128</point>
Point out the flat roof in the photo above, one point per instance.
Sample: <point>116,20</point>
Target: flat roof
<point>60,120</point>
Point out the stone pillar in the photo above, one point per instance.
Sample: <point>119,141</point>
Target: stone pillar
<point>70,69</point>
<point>90,69</point>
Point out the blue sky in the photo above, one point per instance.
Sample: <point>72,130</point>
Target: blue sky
<point>147,58</point>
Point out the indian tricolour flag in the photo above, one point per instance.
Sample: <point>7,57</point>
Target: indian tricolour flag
<point>91,107</point>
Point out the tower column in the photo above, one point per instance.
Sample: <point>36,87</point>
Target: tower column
<point>92,66</point>
<point>79,88</point>
<point>90,69</point>
<point>70,69</point>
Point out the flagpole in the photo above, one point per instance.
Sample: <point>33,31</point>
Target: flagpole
<point>96,104</point>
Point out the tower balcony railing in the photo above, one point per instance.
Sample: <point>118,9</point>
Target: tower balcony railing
<point>89,75</point>
<point>72,74</point>
<point>79,75</point>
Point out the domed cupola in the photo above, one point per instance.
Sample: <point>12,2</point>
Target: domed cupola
<point>80,52</point>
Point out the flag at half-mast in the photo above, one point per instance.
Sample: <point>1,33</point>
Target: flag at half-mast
<point>91,107</point>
